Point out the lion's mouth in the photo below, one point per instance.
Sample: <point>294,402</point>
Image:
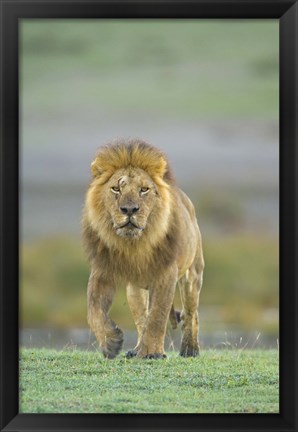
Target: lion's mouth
<point>129,229</point>
<point>130,224</point>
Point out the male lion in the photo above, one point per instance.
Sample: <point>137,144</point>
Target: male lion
<point>140,232</point>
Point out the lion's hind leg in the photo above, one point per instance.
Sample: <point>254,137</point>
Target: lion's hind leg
<point>99,299</point>
<point>138,300</point>
<point>190,286</point>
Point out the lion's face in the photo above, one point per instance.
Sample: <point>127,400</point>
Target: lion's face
<point>130,197</point>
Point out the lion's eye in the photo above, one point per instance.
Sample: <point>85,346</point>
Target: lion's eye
<point>115,189</point>
<point>144,190</point>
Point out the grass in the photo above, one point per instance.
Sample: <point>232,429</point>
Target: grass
<point>236,381</point>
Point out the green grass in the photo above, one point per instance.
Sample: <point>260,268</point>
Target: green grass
<point>236,381</point>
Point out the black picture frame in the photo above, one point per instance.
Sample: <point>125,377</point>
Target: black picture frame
<point>286,11</point>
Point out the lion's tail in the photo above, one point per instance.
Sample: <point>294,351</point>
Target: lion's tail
<point>175,317</point>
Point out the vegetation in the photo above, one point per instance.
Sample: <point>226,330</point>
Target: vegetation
<point>190,68</point>
<point>237,381</point>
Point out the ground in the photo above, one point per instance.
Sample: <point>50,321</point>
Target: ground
<point>218,381</point>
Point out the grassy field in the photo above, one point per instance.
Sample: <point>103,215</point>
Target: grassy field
<point>236,381</point>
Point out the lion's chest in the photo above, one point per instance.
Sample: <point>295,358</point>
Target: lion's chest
<point>127,266</point>
<point>136,262</point>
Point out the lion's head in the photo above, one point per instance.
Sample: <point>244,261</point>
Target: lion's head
<point>129,195</point>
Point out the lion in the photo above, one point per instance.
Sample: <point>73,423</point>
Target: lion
<point>140,232</point>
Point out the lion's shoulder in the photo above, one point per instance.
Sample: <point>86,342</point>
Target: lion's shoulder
<point>183,201</point>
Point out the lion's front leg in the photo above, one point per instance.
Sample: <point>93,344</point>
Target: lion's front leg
<point>161,296</point>
<point>99,299</point>
<point>138,302</point>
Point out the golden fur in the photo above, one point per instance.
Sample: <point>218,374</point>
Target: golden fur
<point>140,232</point>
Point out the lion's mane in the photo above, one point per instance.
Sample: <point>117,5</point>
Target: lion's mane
<point>127,259</point>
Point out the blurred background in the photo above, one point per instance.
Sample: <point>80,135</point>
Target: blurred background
<point>206,93</point>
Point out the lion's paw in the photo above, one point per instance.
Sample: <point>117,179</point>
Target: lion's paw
<point>130,354</point>
<point>190,350</point>
<point>155,356</point>
<point>113,345</point>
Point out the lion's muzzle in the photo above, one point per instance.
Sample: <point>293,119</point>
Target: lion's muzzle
<point>129,209</point>
<point>129,229</point>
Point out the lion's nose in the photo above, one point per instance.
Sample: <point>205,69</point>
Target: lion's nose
<point>129,210</point>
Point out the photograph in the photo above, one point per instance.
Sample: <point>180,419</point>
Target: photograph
<point>148,189</point>
<point>149,216</point>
